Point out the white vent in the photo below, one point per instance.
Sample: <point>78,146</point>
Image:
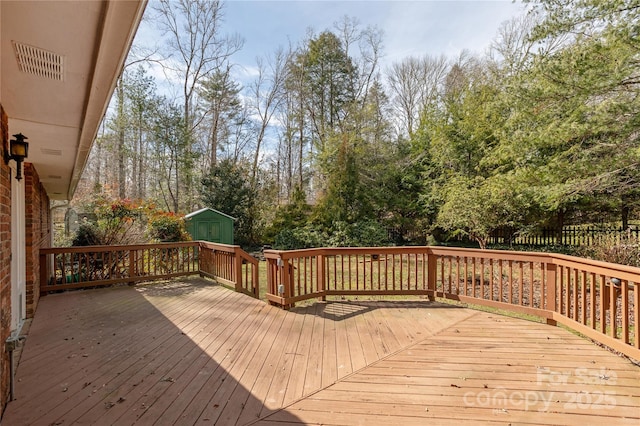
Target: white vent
<point>54,177</point>
<point>40,62</point>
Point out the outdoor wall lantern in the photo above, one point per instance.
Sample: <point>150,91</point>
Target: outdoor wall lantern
<point>19,150</point>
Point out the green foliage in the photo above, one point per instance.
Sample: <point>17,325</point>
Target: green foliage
<point>290,216</point>
<point>88,234</point>
<point>556,138</point>
<point>345,199</point>
<point>227,188</point>
<point>167,227</point>
<point>340,234</point>
<point>328,75</point>
<point>541,131</point>
<point>120,222</point>
<point>367,233</point>
<point>299,238</point>
<point>614,249</point>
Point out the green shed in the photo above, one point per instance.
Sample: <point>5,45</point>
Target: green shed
<point>210,225</point>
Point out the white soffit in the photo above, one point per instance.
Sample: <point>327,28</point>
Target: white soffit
<point>59,64</point>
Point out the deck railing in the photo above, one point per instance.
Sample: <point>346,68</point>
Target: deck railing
<point>230,266</point>
<point>598,299</point>
<point>67,268</point>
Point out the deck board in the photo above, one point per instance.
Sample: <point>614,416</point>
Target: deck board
<point>477,371</point>
<point>189,352</point>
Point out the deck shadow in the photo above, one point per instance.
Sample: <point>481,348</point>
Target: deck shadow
<point>143,355</point>
<point>340,310</point>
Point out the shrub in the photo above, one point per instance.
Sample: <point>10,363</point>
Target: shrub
<point>167,227</point>
<point>614,249</point>
<point>341,234</point>
<point>120,222</point>
<point>87,235</point>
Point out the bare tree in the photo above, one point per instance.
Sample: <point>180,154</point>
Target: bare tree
<point>221,105</point>
<point>197,48</point>
<point>414,84</point>
<point>369,44</point>
<point>267,96</point>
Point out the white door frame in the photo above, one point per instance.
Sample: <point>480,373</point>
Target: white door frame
<point>18,254</point>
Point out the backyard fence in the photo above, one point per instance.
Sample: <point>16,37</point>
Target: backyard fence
<point>568,235</point>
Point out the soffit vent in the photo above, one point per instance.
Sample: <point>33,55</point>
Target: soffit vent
<point>49,151</point>
<point>40,62</point>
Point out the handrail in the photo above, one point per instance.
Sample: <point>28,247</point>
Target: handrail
<point>598,299</point>
<point>231,266</point>
<point>64,268</point>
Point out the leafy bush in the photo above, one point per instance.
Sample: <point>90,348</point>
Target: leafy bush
<point>614,249</point>
<point>341,234</point>
<point>120,222</point>
<point>87,235</point>
<point>289,239</point>
<point>367,234</point>
<point>290,216</point>
<point>167,227</point>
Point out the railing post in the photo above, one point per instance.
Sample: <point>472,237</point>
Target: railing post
<point>320,276</point>
<point>256,280</point>
<point>132,266</point>
<point>552,289</point>
<point>44,271</point>
<point>285,279</point>
<point>238,269</point>
<point>432,269</point>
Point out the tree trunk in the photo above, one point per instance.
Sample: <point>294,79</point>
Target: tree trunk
<point>625,217</point>
<point>559,226</point>
<point>121,141</point>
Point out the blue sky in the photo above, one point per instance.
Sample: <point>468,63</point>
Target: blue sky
<point>411,28</point>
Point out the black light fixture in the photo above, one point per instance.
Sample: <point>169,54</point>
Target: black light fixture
<point>19,150</point>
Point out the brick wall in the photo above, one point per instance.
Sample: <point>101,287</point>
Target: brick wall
<point>38,233</point>
<point>5,263</point>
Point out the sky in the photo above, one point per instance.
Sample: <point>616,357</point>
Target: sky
<point>410,28</point>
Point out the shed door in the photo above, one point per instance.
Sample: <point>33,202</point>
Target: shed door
<point>209,231</point>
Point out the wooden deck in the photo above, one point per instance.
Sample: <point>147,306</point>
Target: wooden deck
<point>191,352</point>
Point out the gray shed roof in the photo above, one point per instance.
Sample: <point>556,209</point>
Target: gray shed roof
<point>197,212</point>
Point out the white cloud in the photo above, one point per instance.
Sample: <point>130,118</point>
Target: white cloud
<point>435,28</point>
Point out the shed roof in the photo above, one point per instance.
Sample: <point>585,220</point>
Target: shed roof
<point>197,212</point>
